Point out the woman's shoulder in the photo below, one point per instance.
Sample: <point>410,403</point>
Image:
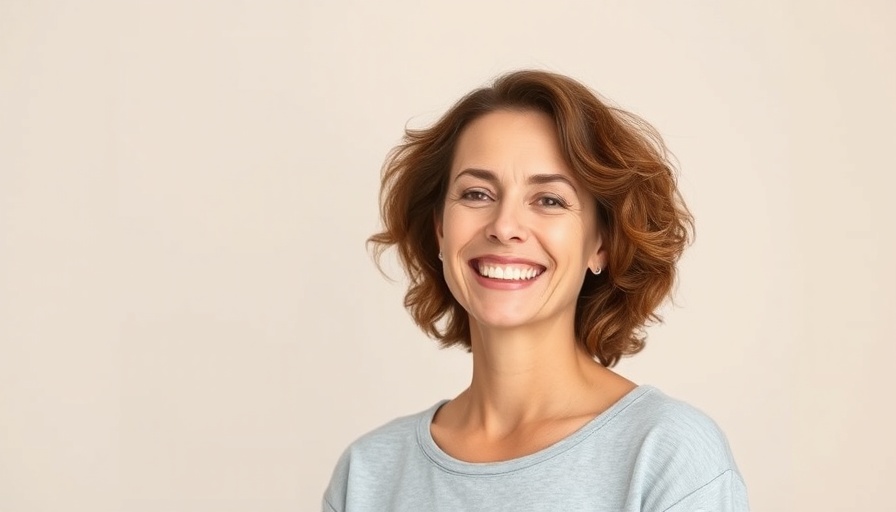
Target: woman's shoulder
<point>376,455</point>
<point>389,439</point>
<point>678,449</point>
<point>659,418</point>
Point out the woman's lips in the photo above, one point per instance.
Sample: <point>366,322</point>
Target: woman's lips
<point>503,272</point>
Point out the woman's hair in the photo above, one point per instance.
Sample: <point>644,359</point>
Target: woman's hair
<point>616,156</point>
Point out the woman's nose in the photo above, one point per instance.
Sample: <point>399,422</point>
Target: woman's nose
<point>508,224</point>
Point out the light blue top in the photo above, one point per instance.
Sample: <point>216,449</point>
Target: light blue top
<point>646,452</point>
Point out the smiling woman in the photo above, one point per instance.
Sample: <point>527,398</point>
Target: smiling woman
<point>523,214</point>
<point>540,229</point>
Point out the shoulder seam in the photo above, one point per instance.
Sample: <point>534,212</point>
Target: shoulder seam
<point>713,479</point>
<point>327,502</point>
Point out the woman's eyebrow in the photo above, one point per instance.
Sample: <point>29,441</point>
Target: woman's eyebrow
<point>482,174</point>
<point>541,179</point>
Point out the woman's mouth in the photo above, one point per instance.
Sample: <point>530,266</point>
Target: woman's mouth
<point>506,271</point>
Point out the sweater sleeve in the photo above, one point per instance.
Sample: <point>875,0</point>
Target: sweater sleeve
<point>725,493</point>
<point>333,499</point>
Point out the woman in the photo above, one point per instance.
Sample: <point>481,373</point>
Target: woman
<point>540,229</point>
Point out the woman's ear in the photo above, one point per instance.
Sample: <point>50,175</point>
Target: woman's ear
<point>437,223</point>
<point>597,262</point>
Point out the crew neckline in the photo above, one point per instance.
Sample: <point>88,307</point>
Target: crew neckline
<point>453,465</point>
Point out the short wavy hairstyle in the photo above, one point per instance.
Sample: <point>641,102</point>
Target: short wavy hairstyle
<point>619,158</point>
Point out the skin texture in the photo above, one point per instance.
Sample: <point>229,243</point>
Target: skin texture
<point>511,195</point>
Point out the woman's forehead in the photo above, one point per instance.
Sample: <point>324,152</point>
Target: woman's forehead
<point>512,143</point>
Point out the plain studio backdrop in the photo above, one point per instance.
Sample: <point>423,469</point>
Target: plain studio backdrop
<point>190,320</point>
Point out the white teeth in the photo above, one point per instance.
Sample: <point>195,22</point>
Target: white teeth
<point>509,273</point>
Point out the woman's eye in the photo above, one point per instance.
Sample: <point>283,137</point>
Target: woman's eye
<point>552,202</point>
<point>475,195</point>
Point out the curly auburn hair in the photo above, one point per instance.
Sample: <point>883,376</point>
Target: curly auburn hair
<point>619,158</point>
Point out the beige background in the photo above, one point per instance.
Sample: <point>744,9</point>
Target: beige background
<point>189,320</point>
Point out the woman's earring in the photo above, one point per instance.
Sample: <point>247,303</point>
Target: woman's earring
<point>598,271</point>
<point>440,255</point>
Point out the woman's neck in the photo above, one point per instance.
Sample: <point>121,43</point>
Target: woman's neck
<point>528,376</point>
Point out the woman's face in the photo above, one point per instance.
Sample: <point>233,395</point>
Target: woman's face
<point>517,232</point>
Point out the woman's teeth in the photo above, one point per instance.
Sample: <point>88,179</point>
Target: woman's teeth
<point>508,272</point>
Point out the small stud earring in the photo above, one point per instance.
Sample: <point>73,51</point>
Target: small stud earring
<point>598,271</point>
<point>440,255</point>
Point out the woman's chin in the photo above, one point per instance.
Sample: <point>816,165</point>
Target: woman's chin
<point>503,320</point>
